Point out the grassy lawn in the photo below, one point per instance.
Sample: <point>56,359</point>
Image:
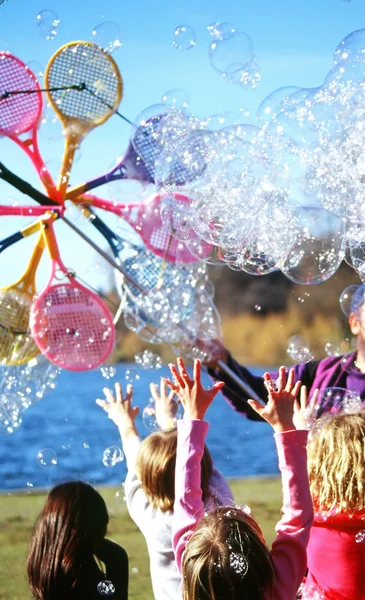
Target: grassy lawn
<point>18,512</point>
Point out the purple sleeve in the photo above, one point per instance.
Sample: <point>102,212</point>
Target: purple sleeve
<point>236,397</point>
<point>188,507</point>
<point>289,548</point>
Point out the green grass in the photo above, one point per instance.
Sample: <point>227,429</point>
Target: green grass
<point>18,511</point>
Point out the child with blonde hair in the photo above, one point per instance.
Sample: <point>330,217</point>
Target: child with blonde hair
<point>223,555</point>
<point>149,486</point>
<point>336,467</point>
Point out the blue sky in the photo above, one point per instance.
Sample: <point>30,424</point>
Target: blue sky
<point>293,40</point>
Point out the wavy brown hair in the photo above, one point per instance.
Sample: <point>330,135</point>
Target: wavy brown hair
<point>336,462</point>
<point>155,467</point>
<point>208,570</point>
<point>67,533</point>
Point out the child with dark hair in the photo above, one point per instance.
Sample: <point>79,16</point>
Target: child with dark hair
<point>68,548</point>
<point>223,555</point>
<point>149,486</point>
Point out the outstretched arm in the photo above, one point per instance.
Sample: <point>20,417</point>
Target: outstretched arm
<point>192,431</point>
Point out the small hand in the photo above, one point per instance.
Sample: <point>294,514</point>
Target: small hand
<point>119,409</point>
<point>165,405</point>
<point>305,411</point>
<point>279,411</point>
<point>190,392</point>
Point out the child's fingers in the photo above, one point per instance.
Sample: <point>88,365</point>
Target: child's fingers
<point>290,380</point>
<point>154,392</point>
<point>268,383</point>
<point>217,386</point>
<point>175,388</point>
<point>314,399</point>
<point>118,393</point>
<point>281,379</point>
<point>103,404</point>
<point>303,397</point>
<point>296,388</point>
<point>197,371</point>
<point>129,392</point>
<point>256,406</point>
<point>183,372</point>
<point>108,394</point>
<point>176,375</point>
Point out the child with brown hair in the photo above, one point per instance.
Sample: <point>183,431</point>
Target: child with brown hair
<point>336,467</point>
<point>149,486</point>
<point>223,555</point>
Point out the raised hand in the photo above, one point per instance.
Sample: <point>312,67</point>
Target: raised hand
<point>119,409</point>
<point>192,395</point>
<point>305,411</point>
<point>165,405</point>
<point>279,411</point>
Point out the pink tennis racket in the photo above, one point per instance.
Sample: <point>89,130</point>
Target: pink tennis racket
<point>21,114</point>
<point>70,324</point>
<point>157,234</point>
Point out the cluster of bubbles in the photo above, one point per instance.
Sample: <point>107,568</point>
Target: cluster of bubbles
<point>285,194</point>
<point>47,24</point>
<point>155,422</point>
<point>331,400</point>
<point>106,588</point>
<point>231,54</point>
<point>107,35</point>
<point>112,456</point>
<point>21,386</point>
<point>148,360</point>
<point>298,349</point>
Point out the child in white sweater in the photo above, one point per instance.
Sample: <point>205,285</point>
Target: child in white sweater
<point>149,486</point>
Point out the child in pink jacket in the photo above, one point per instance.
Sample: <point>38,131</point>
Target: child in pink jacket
<point>222,554</point>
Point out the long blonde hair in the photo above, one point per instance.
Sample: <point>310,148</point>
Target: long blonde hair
<point>336,462</point>
<point>156,460</point>
<point>227,558</point>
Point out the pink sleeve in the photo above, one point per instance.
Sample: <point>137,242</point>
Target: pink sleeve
<point>188,507</point>
<point>289,548</point>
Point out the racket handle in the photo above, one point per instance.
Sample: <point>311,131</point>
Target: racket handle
<point>72,143</point>
<point>247,389</point>
<point>116,208</point>
<point>28,211</point>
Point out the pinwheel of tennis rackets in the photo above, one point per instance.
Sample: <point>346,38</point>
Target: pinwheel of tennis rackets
<point>97,76</point>
<point>71,324</point>
<point>16,343</point>
<point>156,233</point>
<point>21,113</point>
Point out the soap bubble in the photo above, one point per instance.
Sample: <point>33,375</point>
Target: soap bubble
<point>47,24</point>
<point>184,38</point>
<point>331,349</point>
<point>107,35</point>
<point>149,417</point>
<point>47,458</point>
<point>106,588</point>
<point>231,54</point>
<point>120,496</point>
<point>360,537</point>
<point>298,349</point>
<point>132,375</point>
<point>112,455</point>
<point>352,299</point>
<point>176,98</point>
<point>148,360</point>
<point>335,400</point>
<point>108,372</point>
<point>221,31</point>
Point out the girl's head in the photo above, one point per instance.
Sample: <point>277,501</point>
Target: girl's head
<point>227,558</point>
<point>336,462</point>
<point>70,528</point>
<point>156,461</point>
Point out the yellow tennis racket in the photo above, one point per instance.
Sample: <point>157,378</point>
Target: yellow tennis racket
<point>84,89</point>
<point>16,342</point>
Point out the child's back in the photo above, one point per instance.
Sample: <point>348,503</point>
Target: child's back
<point>336,549</point>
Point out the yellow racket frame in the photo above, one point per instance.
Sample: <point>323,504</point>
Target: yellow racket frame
<point>74,128</point>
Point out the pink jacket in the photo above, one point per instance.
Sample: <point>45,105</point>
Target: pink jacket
<point>289,549</point>
<point>336,562</point>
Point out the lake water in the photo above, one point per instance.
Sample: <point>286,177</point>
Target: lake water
<point>69,422</point>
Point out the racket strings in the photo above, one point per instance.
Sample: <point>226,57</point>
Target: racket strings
<point>71,327</point>
<point>90,67</point>
<point>18,114</point>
